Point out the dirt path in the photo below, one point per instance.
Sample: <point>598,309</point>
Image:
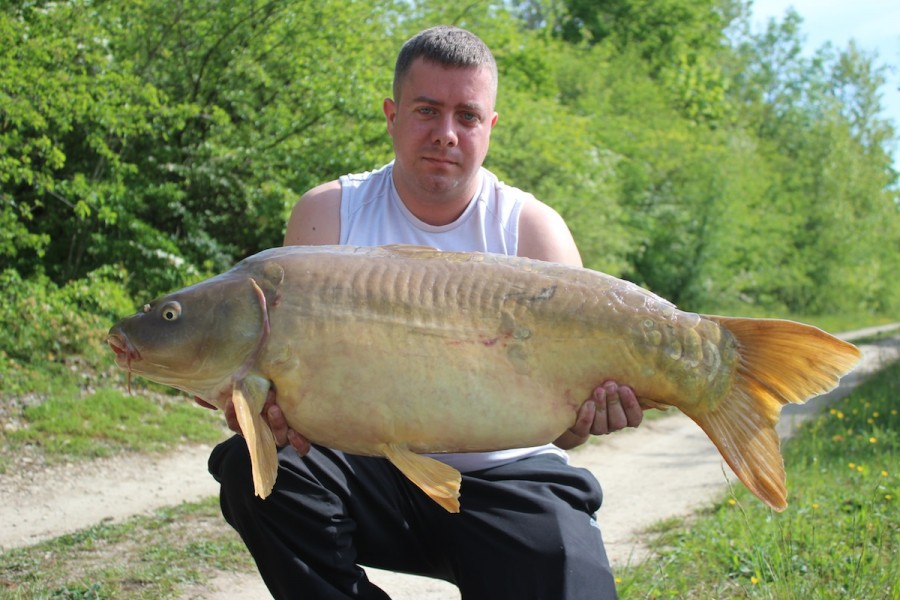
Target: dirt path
<point>679,471</point>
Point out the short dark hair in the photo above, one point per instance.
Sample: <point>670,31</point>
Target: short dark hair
<point>446,45</point>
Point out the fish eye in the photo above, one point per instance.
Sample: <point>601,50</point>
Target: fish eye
<point>171,311</point>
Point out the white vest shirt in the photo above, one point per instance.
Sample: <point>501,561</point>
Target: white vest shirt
<point>372,214</point>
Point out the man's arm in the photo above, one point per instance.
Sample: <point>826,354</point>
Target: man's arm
<point>316,218</point>
<point>543,235</point>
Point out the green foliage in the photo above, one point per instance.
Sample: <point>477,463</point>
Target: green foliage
<point>267,101</point>
<point>143,135</point>
<point>60,329</point>
<point>838,538</point>
<point>108,422</point>
<point>819,129</point>
<point>67,110</point>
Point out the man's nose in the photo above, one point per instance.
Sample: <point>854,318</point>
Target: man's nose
<point>445,132</point>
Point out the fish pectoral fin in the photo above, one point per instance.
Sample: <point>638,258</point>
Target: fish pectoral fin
<point>440,481</point>
<point>648,404</point>
<point>249,396</point>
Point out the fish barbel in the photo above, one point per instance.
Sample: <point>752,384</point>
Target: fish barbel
<point>397,351</point>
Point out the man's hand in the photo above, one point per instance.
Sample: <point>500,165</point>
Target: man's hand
<point>610,408</point>
<point>272,415</point>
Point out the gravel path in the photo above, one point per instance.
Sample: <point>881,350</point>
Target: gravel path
<point>679,469</point>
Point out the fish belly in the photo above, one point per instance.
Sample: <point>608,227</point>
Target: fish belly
<point>430,394</point>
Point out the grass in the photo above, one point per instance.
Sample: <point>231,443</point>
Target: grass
<point>154,556</point>
<point>67,426</point>
<point>839,538</point>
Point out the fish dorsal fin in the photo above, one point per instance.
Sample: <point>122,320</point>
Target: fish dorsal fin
<point>410,247</point>
<point>440,481</point>
<point>411,251</point>
<point>428,253</point>
<point>248,396</point>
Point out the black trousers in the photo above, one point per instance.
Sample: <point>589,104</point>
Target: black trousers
<point>525,531</point>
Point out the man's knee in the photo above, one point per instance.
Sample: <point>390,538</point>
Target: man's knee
<point>229,464</point>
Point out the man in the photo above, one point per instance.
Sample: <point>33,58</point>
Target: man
<point>526,528</point>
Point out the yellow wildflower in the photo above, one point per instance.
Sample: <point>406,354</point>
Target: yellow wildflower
<point>884,473</point>
<point>852,465</point>
<point>873,440</point>
<point>754,579</point>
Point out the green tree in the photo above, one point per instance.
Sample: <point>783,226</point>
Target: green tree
<point>277,97</point>
<point>66,111</point>
<point>820,128</point>
<point>176,139</point>
<point>679,41</point>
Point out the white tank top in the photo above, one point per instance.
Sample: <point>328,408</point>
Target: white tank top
<point>372,214</point>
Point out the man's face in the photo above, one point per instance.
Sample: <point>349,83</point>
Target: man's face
<point>441,127</point>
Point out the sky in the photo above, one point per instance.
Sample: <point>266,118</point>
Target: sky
<point>873,24</point>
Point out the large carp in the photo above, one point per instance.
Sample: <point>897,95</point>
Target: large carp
<point>397,351</point>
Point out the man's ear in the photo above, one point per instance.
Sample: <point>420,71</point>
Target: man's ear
<point>390,113</point>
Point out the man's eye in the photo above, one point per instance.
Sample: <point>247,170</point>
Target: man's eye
<point>469,117</point>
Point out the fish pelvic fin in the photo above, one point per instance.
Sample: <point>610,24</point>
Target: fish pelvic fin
<point>780,362</point>
<point>248,396</point>
<point>440,481</point>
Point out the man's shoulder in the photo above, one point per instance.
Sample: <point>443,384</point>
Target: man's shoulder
<point>357,179</point>
<point>503,190</point>
<point>315,218</point>
<point>322,191</point>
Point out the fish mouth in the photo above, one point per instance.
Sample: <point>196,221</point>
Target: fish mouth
<point>125,352</point>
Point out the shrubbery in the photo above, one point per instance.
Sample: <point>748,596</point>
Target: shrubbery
<point>56,329</point>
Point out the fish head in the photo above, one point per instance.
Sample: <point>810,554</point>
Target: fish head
<point>199,338</point>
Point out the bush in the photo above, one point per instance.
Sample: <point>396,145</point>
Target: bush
<point>47,327</point>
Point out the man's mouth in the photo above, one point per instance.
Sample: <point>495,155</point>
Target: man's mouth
<point>439,160</point>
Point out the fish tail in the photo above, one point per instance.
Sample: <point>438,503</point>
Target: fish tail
<point>780,362</point>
